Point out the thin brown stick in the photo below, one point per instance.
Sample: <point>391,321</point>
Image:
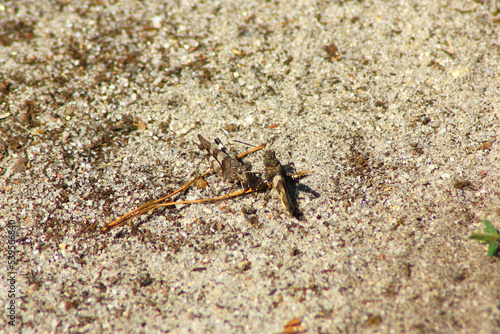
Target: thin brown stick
<point>212,200</point>
<point>255,149</point>
<point>150,206</point>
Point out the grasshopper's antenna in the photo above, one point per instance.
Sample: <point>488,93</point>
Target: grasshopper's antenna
<point>271,142</point>
<point>242,142</point>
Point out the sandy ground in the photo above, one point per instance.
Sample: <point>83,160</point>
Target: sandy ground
<point>392,106</point>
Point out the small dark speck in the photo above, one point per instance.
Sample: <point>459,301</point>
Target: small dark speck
<point>295,251</point>
<point>328,223</point>
<point>460,277</point>
<point>463,185</point>
<point>199,269</point>
<point>145,280</point>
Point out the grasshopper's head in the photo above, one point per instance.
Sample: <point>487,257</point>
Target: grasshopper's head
<point>270,159</point>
